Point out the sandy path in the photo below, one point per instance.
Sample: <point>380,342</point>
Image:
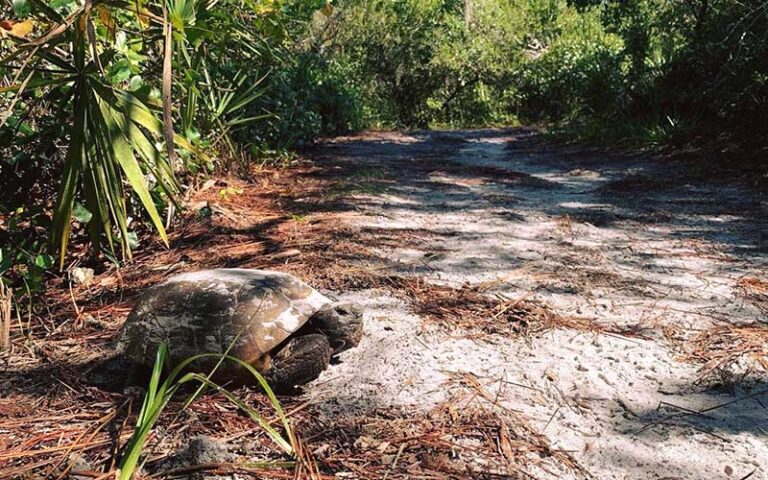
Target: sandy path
<point>623,241</point>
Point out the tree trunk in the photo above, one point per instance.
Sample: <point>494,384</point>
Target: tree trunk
<point>468,12</point>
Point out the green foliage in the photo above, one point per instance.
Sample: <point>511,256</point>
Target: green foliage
<point>112,131</point>
<point>700,64</point>
<point>578,73</point>
<point>416,63</point>
<point>92,93</point>
<point>718,76</point>
<point>391,46</point>
<point>21,256</point>
<point>309,97</point>
<point>162,389</point>
<point>108,113</point>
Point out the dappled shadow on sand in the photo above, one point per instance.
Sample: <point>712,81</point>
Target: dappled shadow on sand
<point>656,247</point>
<point>670,203</point>
<point>602,190</point>
<point>714,420</point>
<point>616,245</point>
<point>651,222</point>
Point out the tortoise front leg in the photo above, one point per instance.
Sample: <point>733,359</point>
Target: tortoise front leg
<point>301,360</point>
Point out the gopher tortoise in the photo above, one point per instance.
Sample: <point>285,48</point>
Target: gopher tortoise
<point>275,322</point>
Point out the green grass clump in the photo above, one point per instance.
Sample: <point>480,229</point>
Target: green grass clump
<point>159,393</point>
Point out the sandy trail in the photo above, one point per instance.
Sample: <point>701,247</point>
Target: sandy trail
<point>641,244</point>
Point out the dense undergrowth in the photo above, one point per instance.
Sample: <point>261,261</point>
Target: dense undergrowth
<point>111,108</point>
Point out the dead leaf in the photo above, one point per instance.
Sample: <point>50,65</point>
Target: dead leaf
<point>17,29</point>
<point>551,375</point>
<point>107,20</point>
<point>364,442</point>
<point>504,444</point>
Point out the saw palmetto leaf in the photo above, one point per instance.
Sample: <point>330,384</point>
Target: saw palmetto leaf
<point>113,140</point>
<point>70,179</point>
<point>121,144</point>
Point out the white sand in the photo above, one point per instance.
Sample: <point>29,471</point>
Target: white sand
<point>647,258</point>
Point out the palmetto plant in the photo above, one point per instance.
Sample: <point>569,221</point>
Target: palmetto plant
<point>113,133</point>
<point>221,104</point>
<point>114,68</point>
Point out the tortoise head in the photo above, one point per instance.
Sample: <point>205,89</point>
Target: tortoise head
<point>341,322</point>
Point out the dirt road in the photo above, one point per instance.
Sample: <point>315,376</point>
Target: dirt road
<point>648,256</point>
<point>532,311</point>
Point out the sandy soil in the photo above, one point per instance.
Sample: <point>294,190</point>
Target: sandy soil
<point>650,247</point>
<point>533,311</point>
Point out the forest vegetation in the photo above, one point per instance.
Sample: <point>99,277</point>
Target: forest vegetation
<point>111,108</point>
<point>543,222</point>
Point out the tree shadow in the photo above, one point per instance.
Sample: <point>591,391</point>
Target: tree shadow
<point>520,181</point>
<point>522,200</point>
<point>658,224</point>
<point>714,417</point>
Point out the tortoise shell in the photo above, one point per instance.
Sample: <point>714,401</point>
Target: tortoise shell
<point>208,311</point>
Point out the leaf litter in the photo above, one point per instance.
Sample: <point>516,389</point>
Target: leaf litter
<point>56,423</point>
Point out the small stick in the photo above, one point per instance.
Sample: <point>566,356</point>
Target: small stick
<point>552,417</point>
<point>5,317</point>
<point>394,462</point>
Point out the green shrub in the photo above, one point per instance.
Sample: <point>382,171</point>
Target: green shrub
<point>309,97</point>
<point>107,105</point>
<point>569,80</point>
